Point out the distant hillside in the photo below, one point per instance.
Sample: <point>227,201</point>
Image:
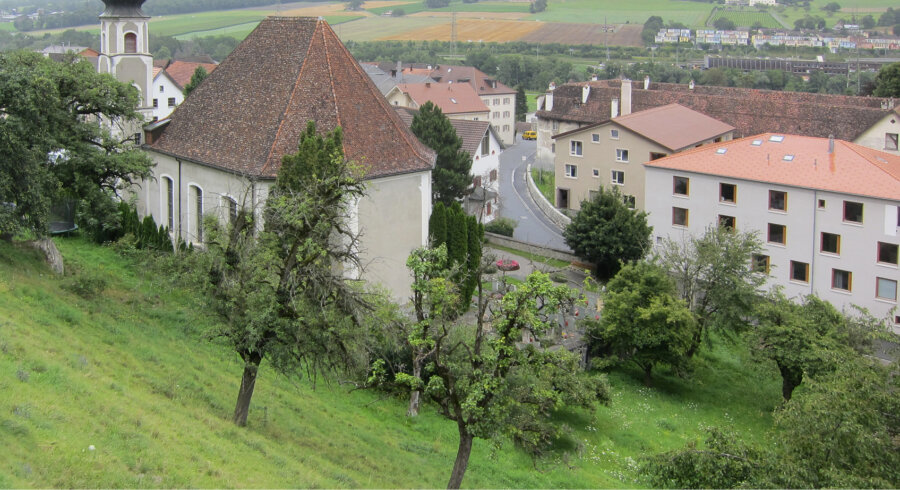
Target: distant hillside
<point>123,369</point>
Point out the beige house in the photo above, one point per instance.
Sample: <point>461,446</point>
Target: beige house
<point>222,148</point>
<point>612,153</point>
<point>455,101</point>
<point>883,135</point>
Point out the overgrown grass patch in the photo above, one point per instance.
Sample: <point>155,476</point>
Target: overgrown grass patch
<point>129,372</point>
<point>545,180</point>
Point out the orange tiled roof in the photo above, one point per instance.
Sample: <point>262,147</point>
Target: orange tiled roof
<point>799,161</point>
<point>454,98</point>
<point>182,71</point>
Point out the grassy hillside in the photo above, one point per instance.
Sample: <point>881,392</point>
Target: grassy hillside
<point>128,371</point>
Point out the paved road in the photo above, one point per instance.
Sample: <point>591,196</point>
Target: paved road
<point>517,204</point>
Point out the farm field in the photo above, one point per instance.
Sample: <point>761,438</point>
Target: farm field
<point>474,30</point>
<point>7,26</point>
<point>377,28</point>
<point>622,35</point>
<point>620,12</point>
<point>746,18</point>
<point>201,21</point>
<point>127,371</point>
<point>240,31</point>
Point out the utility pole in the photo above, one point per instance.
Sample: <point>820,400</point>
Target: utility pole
<point>453,34</point>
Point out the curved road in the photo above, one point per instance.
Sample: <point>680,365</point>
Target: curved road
<point>533,226</point>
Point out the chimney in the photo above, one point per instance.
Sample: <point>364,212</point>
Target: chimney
<point>585,91</point>
<point>594,77</point>
<point>613,108</point>
<point>691,85</point>
<point>646,82</point>
<point>626,97</point>
<point>427,84</point>
<point>548,101</point>
<point>830,143</point>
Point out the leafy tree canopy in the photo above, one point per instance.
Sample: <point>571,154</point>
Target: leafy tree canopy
<point>887,82</point>
<point>606,232</point>
<point>451,178</point>
<point>52,146</point>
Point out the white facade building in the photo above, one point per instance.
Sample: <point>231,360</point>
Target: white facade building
<point>828,213</point>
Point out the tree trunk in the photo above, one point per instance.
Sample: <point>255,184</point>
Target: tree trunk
<point>414,396</point>
<point>695,342</point>
<point>790,379</point>
<point>462,459</point>
<point>648,380</point>
<point>248,382</point>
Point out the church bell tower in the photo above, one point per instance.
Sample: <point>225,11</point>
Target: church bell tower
<point>125,47</point>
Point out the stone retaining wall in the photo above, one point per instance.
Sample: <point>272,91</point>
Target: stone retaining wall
<point>548,209</point>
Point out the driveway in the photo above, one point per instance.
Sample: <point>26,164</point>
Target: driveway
<point>533,227</point>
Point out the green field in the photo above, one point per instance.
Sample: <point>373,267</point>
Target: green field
<point>746,18</point>
<point>408,8</point>
<point>374,28</point>
<point>485,7</point>
<point>7,26</point>
<point>202,21</point>
<point>129,372</point>
<point>619,12</point>
<point>240,31</point>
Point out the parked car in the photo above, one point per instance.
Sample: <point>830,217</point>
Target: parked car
<point>529,135</point>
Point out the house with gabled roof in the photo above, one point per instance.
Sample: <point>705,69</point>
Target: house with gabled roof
<point>827,211</point>
<point>610,153</point>
<point>223,147</point>
<point>455,101</point>
<point>750,111</point>
<point>500,99</point>
<point>169,81</point>
<point>481,141</point>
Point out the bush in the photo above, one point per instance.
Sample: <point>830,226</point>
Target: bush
<point>501,226</point>
<point>87,285</point>
<point>558,276</point>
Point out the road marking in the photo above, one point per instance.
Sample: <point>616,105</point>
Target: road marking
<point>527,207</point>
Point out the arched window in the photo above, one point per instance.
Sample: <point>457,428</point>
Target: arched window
<point>196,196</point>
<point>169,206</point>
<point>131,42</point>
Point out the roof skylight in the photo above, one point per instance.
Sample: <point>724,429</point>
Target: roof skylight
<point>756,143</point>
<point>788,158</point>
<point>776,138</point>
<point>452,100</point>
<point>721,151</point>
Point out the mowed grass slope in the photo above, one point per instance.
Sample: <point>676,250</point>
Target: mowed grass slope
<point>128,371</point>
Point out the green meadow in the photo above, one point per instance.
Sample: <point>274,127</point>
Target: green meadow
<point>109,381</point>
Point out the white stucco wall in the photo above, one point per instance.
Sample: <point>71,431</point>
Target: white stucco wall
<point>874,137</point>
<point>502,115</point>
<point>805,221</point>
<point>164,89</point>
<point>392,217</point>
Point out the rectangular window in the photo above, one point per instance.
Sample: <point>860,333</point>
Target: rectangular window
<point>853,212</point>
<point>497,115</point>
<point>497,101</point>
<point>886,288</point>
<point>841,279</point>
<point>759,263</point>
<point>505,113</point>
<point>679,216</point>
<point>506,100</point>
<point>618,177</point>
<point>614,134</point>
<point>575,148</point>
<point>596,172</point>
<point>629,201</point>
<point>199,214</point>
<point>171,101</point>
<point>571,170</point>
<point>493,175</point>
<point>505,128</point>
<point>728,193</point>
<point>681,186</point>
<point>555,125</point>
<point>727,222</point>
<point>831,243</point>
<point>778,200</point>
<point>161,89</point>
<point>656,156</point>
<point>821,204</point>
<point>776,233</point>
<point>476,181</point>
<point>799,271</point>
<point>887,253</point>
<point>595,137</point>
<point>621,155</point>
<point>155,102</point>
<point>486,144</point>
<point>890,141</point>
<point>232,209</point>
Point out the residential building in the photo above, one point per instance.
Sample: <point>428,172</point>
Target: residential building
<point>827,211</point>
<point>169,82</point>
<point>750,111</point>
<point>455,101</point>
<point>611,153</point>
<point>480,140</point>
<point>500,99</point>
<point>224,145</point>
<point>883,135</point>
<point>387,80</point>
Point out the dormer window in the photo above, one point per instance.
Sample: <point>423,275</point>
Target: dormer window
<point>131,42</point>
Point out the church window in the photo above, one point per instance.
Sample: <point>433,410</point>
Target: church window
<point>131,42</point>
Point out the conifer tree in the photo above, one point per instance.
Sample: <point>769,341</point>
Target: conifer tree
<point>450,179</point>
<point>437,225</point>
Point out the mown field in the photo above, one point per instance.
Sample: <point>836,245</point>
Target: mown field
<point>746,18</point>
<point>127,370</point>
<point>619,12</point>
<point>240,31</point>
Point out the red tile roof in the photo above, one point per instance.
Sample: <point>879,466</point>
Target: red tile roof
<point>289,70</point>
<point>482,83</point>
<point>456,98</point>
<point>181,71</point>
<point>750,111</point>
<point>849,169</point>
